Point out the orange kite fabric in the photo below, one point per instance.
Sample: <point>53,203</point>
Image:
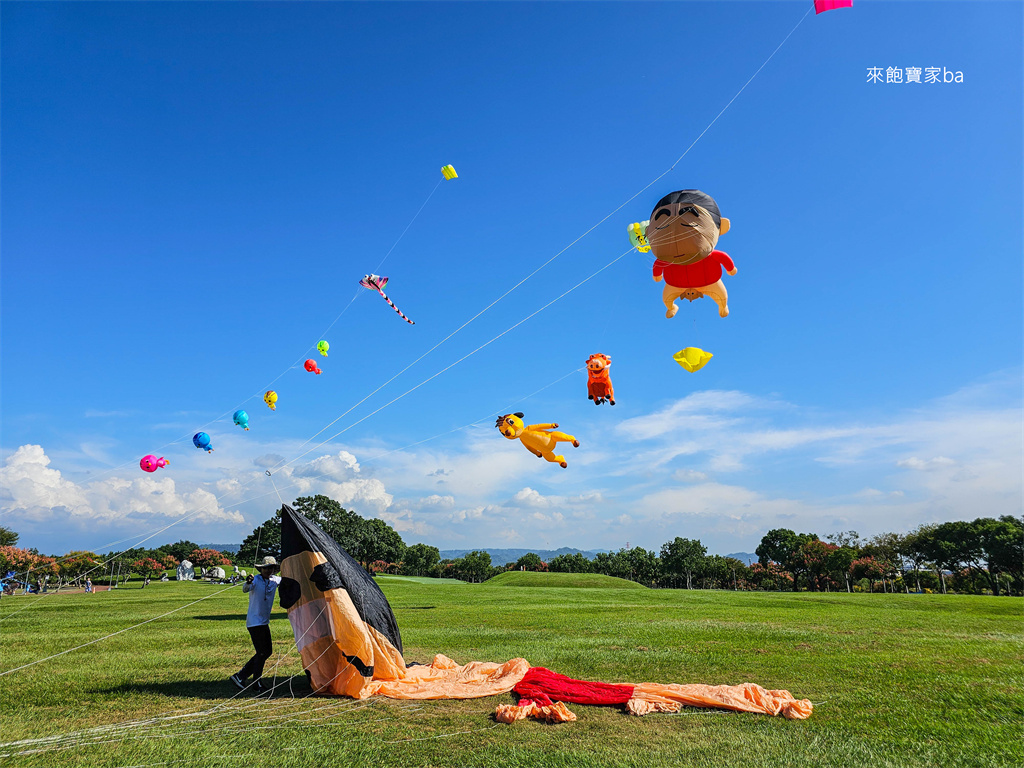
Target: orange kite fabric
<point>542,692</point>
<point>444,679</point>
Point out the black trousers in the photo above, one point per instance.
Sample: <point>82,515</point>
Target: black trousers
<point>264,648</point>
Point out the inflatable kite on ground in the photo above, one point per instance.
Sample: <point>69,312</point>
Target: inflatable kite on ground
<point>683,232</point>
<point>538,438</point>
<point>202,440</point>
<point>241,418</point>
<point>312,367</point>
<point>151,463</point>
<point>692,358</point>
<point>820,6</point>
<point>346,632</point>
<point>350,645</point>
<point>599,382</point>
<point>377,283</point>
<point>270,398</point>
<point>322,347</point>
<point>449,172</point>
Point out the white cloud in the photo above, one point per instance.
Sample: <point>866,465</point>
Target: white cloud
<point>28,485</point>
<point>530,498</point>
<point>33,491</point>
<point>721,466</point>
<point>689,476</point>
<point>913,462</point>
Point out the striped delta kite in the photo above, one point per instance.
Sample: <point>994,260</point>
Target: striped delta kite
<point>350,645</point>
<point>377,283</point>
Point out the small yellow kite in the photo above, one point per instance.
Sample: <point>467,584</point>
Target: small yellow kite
<point>692,358</point>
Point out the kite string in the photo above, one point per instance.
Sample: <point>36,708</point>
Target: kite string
<point>411,445</point>
<point>538,269</point>
<point>571,244</point>
<point>452,365</point>
<point>293,365</point>
<point>113,634</point>
<point>375,269</point>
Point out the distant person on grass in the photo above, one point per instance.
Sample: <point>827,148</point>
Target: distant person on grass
<point>261,591</point>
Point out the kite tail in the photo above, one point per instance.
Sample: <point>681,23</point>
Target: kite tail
<point>392,305</point>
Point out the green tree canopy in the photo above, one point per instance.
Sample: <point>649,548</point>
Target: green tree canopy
<point>267,536</point>
<point>365,540</point>
<point>421,560</point>
<point>681,558</point>
<point>574,563</point>
<point>529,562</point>
<point>782,546</point>
<point>475,566</point>
<point>179,549</point>
<point>379,541</point>
<point>8,538</point>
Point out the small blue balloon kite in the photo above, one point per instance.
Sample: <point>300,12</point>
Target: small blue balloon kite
<point>202,440</point>
<point>241,418</point>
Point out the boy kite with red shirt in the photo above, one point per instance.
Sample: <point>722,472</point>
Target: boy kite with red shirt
<point>683,231</point>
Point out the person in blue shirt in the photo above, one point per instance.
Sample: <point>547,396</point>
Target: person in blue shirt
<point>261,591</point>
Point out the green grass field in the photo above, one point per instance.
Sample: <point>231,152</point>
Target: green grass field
<point>899,680</point>
<point>559,580</point>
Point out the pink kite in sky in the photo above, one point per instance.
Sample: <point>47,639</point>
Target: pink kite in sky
<point>820,6</point>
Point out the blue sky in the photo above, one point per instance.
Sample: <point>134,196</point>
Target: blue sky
<point>191,191</point>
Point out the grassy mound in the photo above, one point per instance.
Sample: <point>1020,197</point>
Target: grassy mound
<point>560,580</point>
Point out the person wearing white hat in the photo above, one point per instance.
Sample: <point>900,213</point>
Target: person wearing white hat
<point>261,591</point>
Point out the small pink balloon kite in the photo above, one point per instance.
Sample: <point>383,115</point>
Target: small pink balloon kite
<point>312,367</point>
<point>151,463</point>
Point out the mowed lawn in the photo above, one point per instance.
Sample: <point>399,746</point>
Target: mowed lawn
<point>898,680</point>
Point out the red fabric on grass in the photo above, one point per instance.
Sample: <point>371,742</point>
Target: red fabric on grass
<point>543,687</point>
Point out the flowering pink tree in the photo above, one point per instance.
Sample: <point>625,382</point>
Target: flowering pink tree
<point>815,559</point>
<point>208,558</point>
<point>146,567</point>
<point>76,565</point>
<point>26,565</point>
<point>867,568</point>
<point>771,576</point>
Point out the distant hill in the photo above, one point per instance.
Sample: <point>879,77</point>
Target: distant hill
<point>505,556</point>
<point>222,547</point>
<point>747,558</point>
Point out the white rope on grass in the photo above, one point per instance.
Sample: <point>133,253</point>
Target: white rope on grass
<point>445,735</point>
<point>114,634</point>
<point>102,731</point>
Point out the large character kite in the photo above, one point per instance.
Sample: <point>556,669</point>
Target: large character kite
<point>683,231</point>
<point>539,439</point>
<point>599,380</point>
<point>350,645</point>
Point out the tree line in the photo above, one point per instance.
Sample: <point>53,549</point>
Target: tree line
<point>984,556</point>
<point>29,566</point>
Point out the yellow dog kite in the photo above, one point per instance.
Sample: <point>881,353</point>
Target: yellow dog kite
<point>538,438</point>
